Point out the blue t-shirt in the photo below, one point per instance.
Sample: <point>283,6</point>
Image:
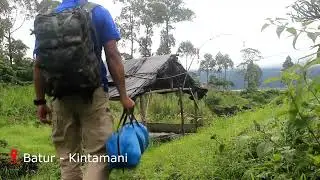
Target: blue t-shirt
<point>105,28</point>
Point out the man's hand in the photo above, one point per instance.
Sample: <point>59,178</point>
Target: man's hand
<point>127,103</point>
<point>42,112</point>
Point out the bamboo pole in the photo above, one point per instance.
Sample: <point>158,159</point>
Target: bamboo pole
<point>143,109</point>
<point>168,90</point>
<point>181,110</point>
<point>196,108</point>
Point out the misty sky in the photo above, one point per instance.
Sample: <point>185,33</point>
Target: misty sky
<point>241,19</point>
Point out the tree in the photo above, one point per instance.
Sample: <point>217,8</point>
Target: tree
<point>252,72</point>
<point>241,70</point>
<point>128,23</point>
<point>150,16</point>
<point>208,64</point>
<point>224,62</point>
<point>166,42</point>
<point>227,63</point>
<point>250,55</point>
<point>253,76</point>
<point>219,60</point>
<point>15,11</point>
<point>139,17</point>
<point>187,49</point>
<point>146,20</point>
<point>4,7</point>
<point>173,11</point>
<point>46,5</point>
<point>18,50</point>
<point>287,63</point>
<point>14,67</point>
<point>305,10</point>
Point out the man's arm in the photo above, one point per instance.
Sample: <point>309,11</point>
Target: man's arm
<point>38,83</point>
<point>116,70</point>
<point>108,37</point>
<point>42,110</point>
<point>115,66</point>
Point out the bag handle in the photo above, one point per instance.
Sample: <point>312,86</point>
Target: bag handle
<point>124,117</point>
<point>127,114</point>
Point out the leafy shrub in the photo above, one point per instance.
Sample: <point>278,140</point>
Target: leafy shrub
<point>288,147</point>
<point>16,74</point>
<point>225,103</point>
<point>259,98</point>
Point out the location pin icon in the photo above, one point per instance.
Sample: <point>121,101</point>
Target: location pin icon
<point>14,156</point>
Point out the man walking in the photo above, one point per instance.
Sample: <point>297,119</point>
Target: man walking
<point>66,67</point>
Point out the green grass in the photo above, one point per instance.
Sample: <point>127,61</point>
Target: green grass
<point>193,157</point>
<point>28,138</point>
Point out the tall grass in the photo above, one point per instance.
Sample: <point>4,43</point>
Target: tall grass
<point>166,108</point>
<point>16,106</point>
<point>16,100</point>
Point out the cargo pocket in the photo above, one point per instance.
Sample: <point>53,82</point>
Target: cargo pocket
<point>57,123</point>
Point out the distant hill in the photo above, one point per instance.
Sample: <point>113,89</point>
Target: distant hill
<point>237,79</point>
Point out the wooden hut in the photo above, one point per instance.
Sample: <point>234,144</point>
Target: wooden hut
<point>160,74</point>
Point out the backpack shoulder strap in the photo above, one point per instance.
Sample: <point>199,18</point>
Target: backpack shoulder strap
<point>89,6</point>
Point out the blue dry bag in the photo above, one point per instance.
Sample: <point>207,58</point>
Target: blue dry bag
<point>128,143</point>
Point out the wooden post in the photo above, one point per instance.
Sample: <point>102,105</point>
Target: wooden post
<point>181,110</point>
<point>143,109</point>
<point>195,99</point>
<point>171,83</point>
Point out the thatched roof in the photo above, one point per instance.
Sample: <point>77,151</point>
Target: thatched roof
<point>155,73</point>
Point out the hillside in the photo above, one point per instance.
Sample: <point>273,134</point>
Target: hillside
<point>204,155</point>
<point>234,76</point>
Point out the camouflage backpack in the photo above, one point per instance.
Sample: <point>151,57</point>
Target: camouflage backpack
<point>68,61</point>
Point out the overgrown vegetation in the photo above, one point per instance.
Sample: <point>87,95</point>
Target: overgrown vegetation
<point>203,152</point>
<point>229,103</point>
<point>15,68</point>
<point>250,134</point>
<point>20,129</point>
<point>24,133</point>
<point>281,148</point>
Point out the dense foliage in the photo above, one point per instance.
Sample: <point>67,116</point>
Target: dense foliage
<point>282,148</point>
<point>14,66</point>
<point>20,73</point>
<point>231,103</point>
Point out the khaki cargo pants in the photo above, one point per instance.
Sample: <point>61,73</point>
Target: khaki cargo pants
<point>81,127</point>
